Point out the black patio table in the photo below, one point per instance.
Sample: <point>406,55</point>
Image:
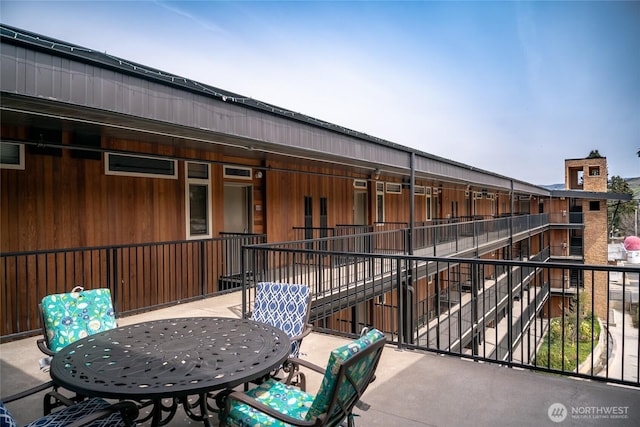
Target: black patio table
<point>171,359</point>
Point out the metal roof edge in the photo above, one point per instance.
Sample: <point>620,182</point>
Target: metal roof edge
<point>19,36</point>
<point>579,194</point>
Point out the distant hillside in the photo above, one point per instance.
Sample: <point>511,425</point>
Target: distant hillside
<point>634,184</point>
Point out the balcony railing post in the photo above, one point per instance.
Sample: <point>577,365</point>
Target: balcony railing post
<point>244,253</point>
<point>203,269</point>
<point>400,300</point>
<point>113,281</point>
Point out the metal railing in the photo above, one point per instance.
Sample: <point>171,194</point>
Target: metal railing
<point>567,218</point>
<point>140,276</point>
<point>491,310</point>
<point>442,238</point>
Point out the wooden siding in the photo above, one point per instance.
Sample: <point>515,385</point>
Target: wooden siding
<point>66,202</point>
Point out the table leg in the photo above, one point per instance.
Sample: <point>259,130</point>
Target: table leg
<point>199,409</point>
<point>159,408</point>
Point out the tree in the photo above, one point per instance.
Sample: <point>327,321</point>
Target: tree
<point>594,154</point>
<point>617,210</point>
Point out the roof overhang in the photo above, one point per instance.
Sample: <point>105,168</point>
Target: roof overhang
<point>578,194</point>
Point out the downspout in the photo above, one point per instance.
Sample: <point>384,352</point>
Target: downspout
<point>513,207</point>
<point>412,202</point>
<point>408,313</point>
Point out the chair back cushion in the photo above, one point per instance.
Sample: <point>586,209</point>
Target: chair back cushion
<point>349,371</point>
<point>70,316</point>
<point>6,419</point>
<point>285,306</point>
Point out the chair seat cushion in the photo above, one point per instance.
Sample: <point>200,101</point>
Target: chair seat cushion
<point>281,397</point>
<point>77,411</point>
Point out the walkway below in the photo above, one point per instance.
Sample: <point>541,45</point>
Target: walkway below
<point>412,388</point>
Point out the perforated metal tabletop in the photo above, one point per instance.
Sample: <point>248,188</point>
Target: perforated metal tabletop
<point>170,358</point>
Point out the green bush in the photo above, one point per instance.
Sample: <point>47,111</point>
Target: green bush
<point>555,354</point>
<point>585,333</point>
<point>555,329</point>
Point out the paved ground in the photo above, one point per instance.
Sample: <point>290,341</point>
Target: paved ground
<point>412,388</point>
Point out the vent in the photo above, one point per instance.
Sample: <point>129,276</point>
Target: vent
<point>360,184</point>
<point>419,190</point>
<point>394,188</point>
<point>379,187</point>
<point>129,165</point>
<point>237,173</point>
<point>477,195</point>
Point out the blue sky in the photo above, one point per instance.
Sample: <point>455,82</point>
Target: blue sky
<point>510,87</point>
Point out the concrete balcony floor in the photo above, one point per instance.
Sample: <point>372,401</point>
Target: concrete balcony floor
<point>412,388</point>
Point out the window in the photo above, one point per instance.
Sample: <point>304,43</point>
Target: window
<point>419,190</point>
<point>237,172</point>
<point>198,197</point>
<point>125,164</point>
<point>594,205</point>
<point>11,156</point>
<point>429,208</point>
<point>379,201</point>
<point>594,170</point>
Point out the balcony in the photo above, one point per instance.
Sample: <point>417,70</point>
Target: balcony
<point>413,387</point>
<point>481,315</point>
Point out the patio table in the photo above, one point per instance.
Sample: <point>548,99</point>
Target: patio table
<point>171,359</point>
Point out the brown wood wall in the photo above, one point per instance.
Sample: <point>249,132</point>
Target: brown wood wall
<point>65,202</point>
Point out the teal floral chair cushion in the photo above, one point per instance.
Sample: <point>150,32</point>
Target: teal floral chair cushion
<point>285,306</point>
<point>360,360</point>
<point>356,371</point>
<point>77,314</point>
<point>281,397</point>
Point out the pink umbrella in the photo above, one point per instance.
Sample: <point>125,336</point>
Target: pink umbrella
<point>632,243</point>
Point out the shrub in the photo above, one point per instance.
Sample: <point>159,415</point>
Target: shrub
<point>586,333</point>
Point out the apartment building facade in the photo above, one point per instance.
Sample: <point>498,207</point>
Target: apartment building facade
<point>100,154</point>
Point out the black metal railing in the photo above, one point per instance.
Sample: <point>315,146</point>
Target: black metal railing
<point>140,276</point>
<point>442,238</point>
<point>491,310</point>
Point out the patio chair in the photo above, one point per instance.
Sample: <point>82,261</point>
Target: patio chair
<point>287,307</point>
<point>94,412</point>
<point>70,316</point>
<point>349,372</point>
